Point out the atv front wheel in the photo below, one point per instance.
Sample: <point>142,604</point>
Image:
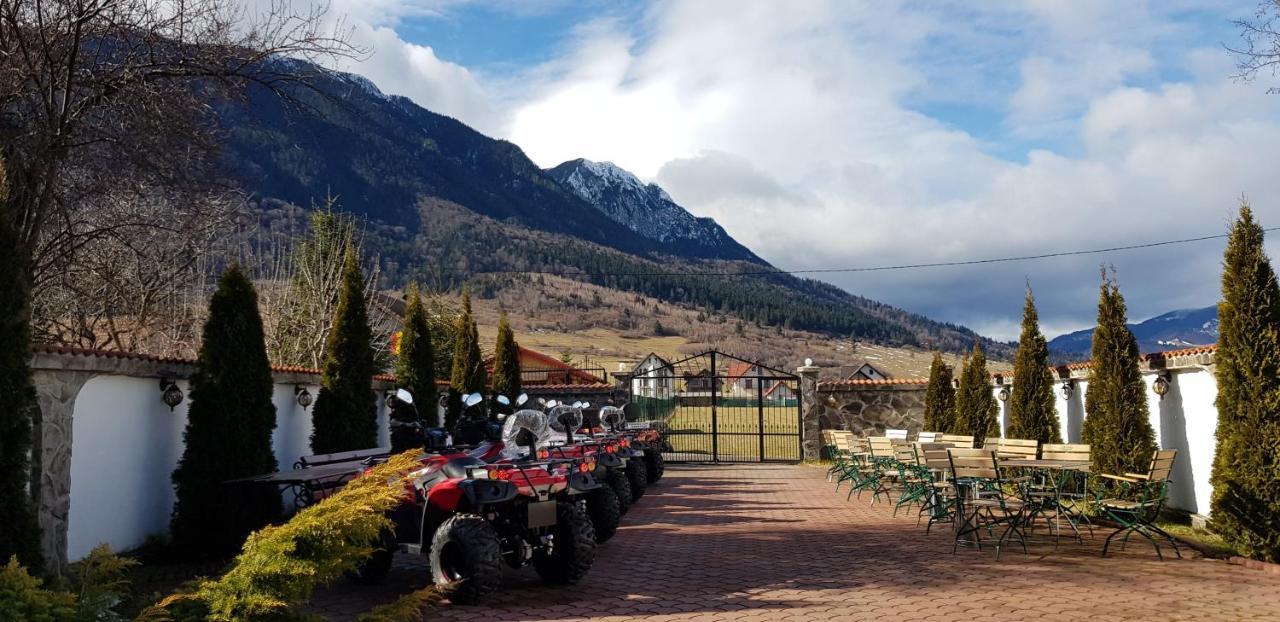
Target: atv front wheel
<point>654,464</point>
<point>636,476</point>
<point>466,554</point>
<point>572,549</point>
<point>617,480</point>
<point>602,507</point>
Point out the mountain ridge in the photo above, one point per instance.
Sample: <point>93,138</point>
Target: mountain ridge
<point>1182,328</point>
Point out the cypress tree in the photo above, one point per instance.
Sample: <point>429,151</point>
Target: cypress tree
<point>506,361</point>
<point>468,374</point>
<point>975,405</point>
<point>415,361</point>
<point>1116,425</point>
<point>1031,405</point>
<point>939,398</point>
<point>1246,466</point>
<point>344,417</point>
<point>20,534</point>
<point>229,426</point>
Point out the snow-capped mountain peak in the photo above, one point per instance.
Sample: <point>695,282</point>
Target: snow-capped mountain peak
<point>646,209</point>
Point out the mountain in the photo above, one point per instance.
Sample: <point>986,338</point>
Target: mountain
<point>1170,331</point>
<point>647,210</point>
<point>445,205</point>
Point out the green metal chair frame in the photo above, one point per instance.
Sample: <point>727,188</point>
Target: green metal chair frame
<point>1138,501</point>
<point>979,470</point>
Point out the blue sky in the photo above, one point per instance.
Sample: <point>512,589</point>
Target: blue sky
<point>826,133</point>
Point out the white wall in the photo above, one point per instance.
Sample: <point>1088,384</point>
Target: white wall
<point>126,444</point>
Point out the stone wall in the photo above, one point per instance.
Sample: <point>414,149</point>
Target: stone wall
<point>869,408</point>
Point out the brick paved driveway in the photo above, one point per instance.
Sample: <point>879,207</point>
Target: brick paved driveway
<point>756,543</point>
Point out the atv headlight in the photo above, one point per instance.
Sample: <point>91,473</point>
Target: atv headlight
<point>478,473</point>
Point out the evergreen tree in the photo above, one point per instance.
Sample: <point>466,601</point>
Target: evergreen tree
<point>344,417</point>
<point>1116,424</point>
<point>939,398</point>
<point>19,534</point>
<point>229,426</point>
<point>506,361</point>
<point>415,361</point>
<point>1246,466</point>
<point>468,367</point>
<point>976,409</point>
<point>1031,405</point>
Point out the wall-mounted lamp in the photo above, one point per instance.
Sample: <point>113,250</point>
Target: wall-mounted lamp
<point>304,397</point>
<point>1161,385</point>
<point>955,383</point>
<point>1003,395</point>
<point>999,380</point>
<point>170,394</point>
<point>1068,387</point>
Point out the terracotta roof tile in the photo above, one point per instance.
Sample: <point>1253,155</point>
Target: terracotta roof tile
<point>873,383</point>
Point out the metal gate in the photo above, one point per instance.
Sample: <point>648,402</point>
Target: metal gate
<point>715,407</point>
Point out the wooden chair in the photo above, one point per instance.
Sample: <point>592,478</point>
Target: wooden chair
<point>1065,451</point>
<point>940,504</point>
<point>911,476</point>
<point>957,440</point>
<point>928,437</point>
<point>1015,448</point>
<point>898,434</point>
<point>1138,500</point>
<point>977,470</point>
<point>883,467</point>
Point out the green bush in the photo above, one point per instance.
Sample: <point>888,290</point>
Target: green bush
<point>19,532</point>
<point>281,566</point>
<point>939,398</point>
<point>415,362</point>
<point>345,416</point>
<point>468,374</point>
<point>1116,425</point>
<point>976,408</point>
<point>229,426</point>
<point>1246,466</point>
<point>506,361</point>
<point>96,586</point>
<point>1031,406</point>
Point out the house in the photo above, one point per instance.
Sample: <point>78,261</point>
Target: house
<point>780,393</point>
<point>653,377</point>
<point>867,372</point>
<point>537,368</point>
<point>701,382</point>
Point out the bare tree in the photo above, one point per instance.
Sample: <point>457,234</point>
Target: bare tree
<point>1260,34</point>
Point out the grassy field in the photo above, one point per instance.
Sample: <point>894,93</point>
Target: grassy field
<point>738,430</point>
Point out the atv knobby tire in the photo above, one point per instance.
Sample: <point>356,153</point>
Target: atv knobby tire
<point>654,464</point>
<point>617,480</point>
<point>573,547</point>
<point>602,507</point>
<point>637,477</point>
<point>466,554</point>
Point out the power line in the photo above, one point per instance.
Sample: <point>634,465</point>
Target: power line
<point>911,266</point>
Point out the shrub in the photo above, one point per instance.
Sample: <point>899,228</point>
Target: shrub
<point>281,566</point>
<point>1031,406</point>
<point>1246,466</point>
<point>939,398</point>
<point>20,534</point>
<point>468,375</point>
<point>229,427</point>
<point>345,417</point>
<point>415,362</point>
<point>97,585</point>
<point>975,406</point>
<point>506,361</point>
<point>1116,424</point>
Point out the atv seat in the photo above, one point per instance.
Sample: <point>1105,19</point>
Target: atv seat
<point>457,467</point>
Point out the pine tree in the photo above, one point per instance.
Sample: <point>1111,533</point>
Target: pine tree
<point>976,410</point>
<point>229,426</point>
<point>1246,466</point>
<point>939,398</point>
<point>20,534</point>
<point>468,367</point>
<point>1031,406</point>
<point>344,417</point>
<point>1116,424</point>
<point>415,361</point>
<point>506,361</point>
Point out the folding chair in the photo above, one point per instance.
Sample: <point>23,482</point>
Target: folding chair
<point>928,437</point>
<point>1139,499</point>
<point>985,502</point>
<point>965,442</point>
<point>941,502</point>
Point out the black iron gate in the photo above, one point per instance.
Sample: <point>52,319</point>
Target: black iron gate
<point>719,408</point>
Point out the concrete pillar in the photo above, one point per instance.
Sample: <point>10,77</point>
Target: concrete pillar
<point>56,393</point>
<point>810,410</point>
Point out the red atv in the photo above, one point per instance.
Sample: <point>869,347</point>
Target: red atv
<point>469,516</point>
<point>607,504</point>
<point>642,437</point>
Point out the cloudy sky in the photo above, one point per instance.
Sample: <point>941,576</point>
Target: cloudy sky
<point>851,134</point>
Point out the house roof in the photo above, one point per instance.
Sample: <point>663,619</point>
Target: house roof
<point>652,355</point>
<point>551,364</point>
<point>775,386</point>
<point>739,369</point>
<point>1153,356</point>
<point>862,382</point>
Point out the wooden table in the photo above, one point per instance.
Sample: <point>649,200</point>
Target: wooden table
<point>1059,511</point>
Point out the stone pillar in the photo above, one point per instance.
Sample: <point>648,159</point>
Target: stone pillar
<point>56,392</point>
<point>811,411</point>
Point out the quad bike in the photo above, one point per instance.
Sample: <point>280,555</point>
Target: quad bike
<point>606,505</point>
<point>614,465</point>
<point>648,441</point>
<point>468,516</point>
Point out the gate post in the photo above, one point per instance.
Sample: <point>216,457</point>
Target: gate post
<point>810,408</point>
